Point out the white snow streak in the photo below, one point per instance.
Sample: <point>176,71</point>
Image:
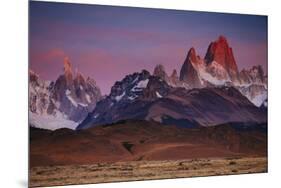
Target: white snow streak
<point>51,122</point>
<point>68,95</point>
<point>158,95</point>
<point>141,85</point>
<point>119,97</point>
<point>88,98</point>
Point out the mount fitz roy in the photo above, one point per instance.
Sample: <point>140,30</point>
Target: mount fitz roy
<point>63,103</point>
<point>218,68</point>
<point>207,91</point>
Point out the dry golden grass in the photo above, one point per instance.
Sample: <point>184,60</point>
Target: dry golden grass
<point>143,170</point>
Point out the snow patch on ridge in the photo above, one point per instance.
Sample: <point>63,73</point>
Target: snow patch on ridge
<point>141,85</point>
<point>67,92</point>
<point>132,97</point>
<point>82,104</point>
<point>259,99</point>
<point>217,69</point>
<point>51,122</point>
<point>88,98</point>
<point>68,95</point>
<point>119,97</point>
<point>158,95</point>
<point>136,79</point>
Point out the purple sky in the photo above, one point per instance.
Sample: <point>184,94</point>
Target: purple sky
<point>106,42</point>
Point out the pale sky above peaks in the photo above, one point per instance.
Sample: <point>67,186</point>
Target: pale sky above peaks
<point>107,43</point>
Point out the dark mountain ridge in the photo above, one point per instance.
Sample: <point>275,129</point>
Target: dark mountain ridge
<point>150,98</point>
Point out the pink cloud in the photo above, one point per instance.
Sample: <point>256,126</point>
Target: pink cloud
<point>47,63</point>
<point>46,56</point>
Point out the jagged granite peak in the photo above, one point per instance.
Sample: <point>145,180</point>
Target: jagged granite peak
<point>254,84</point>
<point>256,93</point>
<point>64,102</point>
<point>33,77</point>
<point>132,83</point>
<point>78,98</point>
<point>244,77</point>
<point>79,79</point>
<point>68,71</point>
<point>192,55</point>
<point>39,97</point>
<point>156,88</point>
<point>174,78</point>
<point>174,74</point>
<point>139,86</point>
<point>220,52</point>
<point>188,73</point>
<point>159,71</point>
<point>253,75</point>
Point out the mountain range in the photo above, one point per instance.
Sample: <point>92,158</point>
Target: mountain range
<point>218,68</point>
<point>63,103</point>
<point>207,92</point>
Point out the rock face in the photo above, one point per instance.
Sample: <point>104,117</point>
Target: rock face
<point>122,94</point>
<point>174,78</point>
<point>62,103</point>
<point>255,75</point>
<point>188,73</point>
<point>68,72</point>
<point>144,97</point>
<point>159,71</point>
<point>39,95</point>
<point>77,95</point>
<point>219,68</point>
<point>256,93</point>
<point>220,52</point>
<point>254,84</point>
<point>213,70</point>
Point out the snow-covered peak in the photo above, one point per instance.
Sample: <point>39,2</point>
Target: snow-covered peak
<point>130,86</point>
<point>70,98</point>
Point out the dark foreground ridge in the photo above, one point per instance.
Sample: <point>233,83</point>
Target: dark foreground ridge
<point>139,140</point>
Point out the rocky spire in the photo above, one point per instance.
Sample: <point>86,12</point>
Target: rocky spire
<point>253,75</point>
<point>33,77</point>
<point>220,52</point>
<point>188,73</point>
<point>159,71</point>
<point>174,74</point>
<point>192,55</point>
<point>174,78</point>
<point>258,74</point>
<point>67,70</point>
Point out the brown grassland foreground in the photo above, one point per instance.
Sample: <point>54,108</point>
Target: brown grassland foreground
<point>140,150</point>
<point>144,170</point>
